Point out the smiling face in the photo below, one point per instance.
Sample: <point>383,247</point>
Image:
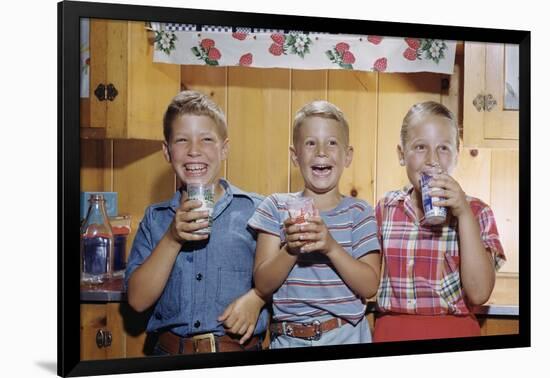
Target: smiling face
<point>321,152</point>
<point>430,146</point>
<point>196,149</point>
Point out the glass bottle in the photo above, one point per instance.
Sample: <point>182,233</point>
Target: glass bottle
<point>96,243</point>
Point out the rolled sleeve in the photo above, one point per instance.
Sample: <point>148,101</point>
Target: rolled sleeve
<point>266,218</point>
<point>489,235</point>
<point>141,248</point>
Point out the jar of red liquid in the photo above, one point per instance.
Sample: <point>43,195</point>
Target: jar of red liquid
<point>96,243</point>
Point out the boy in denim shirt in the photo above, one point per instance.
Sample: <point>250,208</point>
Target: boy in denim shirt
<point>200,285</point>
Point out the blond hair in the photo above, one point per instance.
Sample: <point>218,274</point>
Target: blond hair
<point>323,109</point>
<point>194,103</point>
<point>423,110</point>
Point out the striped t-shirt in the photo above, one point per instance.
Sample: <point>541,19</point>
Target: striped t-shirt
<point>313,289</point>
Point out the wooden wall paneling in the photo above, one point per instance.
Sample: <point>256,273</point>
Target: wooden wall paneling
<point>211,81</point>
<point>355,93</point>
<point>95,165</point>
<point>397,93</point>
<point>150,86</point>
<point>141,176</point>
<point>97,116</point>
<point>93,317</point>
<point>451,96</point>
<point>473,172</point>
<point>307,86</point>
<point>259,115</point>
<point>505,203</point>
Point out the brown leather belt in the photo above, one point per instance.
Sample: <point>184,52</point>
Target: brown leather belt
<point>205,343</point>
<point>308,331</point>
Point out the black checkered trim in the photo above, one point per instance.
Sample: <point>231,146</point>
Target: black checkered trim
<point>180,27</point>
<point>210,28</point>
<point>242,30</point>
<point>261,30</point>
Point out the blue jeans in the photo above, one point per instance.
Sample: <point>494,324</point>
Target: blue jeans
<point>346,334</point>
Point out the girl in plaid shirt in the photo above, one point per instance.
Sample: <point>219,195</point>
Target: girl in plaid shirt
<point>432,275</point>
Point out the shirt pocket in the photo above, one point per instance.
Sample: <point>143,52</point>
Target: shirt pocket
<point>170,300</point>
<point>232,283</point>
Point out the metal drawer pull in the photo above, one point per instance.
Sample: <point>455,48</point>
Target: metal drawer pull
<point>103,338</point>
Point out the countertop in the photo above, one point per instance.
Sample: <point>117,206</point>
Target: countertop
<point>113,291</point>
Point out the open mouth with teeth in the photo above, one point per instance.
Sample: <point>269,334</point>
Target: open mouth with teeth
<point>321,170</point>
<point>195,169</point>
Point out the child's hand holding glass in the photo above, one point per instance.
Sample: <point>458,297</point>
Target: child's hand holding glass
<point>188,221</point>
<point>451,193</point>
<point>312,236</point>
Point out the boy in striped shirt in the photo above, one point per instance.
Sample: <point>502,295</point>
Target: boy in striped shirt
<point>319,271</point>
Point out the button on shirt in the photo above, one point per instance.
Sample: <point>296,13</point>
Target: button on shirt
<point>421,263</point>
<point>208,275</point>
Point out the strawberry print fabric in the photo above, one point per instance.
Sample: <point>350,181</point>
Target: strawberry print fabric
<point>298,50</point>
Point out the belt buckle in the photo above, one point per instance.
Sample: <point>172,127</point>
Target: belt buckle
<point>318,332</point>
<point>209,336</point>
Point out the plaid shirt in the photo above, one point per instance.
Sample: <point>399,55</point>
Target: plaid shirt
<point>421,273</point>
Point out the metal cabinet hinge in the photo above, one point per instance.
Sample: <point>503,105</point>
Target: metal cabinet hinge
<point>484,102</point>
<point>106,92</point>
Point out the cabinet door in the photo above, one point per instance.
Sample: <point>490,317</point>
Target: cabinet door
<point>105,318</point>
<point>484,75</point>
<point>121,55</point>
<point>495,325</point>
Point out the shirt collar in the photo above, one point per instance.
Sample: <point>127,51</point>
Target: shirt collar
<point>400,196</point>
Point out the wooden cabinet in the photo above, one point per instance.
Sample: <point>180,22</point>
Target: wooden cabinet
<point>499,325</point>
<point>111,160</point>
<point>101,332</point>
<point>487,122</point>
<point>132,91</point>
<point>112,330</point>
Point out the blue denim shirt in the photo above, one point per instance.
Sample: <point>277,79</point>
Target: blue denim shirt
<point>207,275</point>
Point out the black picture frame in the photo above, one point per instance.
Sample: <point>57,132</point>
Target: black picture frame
<point>69,14</point>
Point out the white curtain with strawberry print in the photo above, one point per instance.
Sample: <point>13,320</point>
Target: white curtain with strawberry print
<point>304,51</point>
